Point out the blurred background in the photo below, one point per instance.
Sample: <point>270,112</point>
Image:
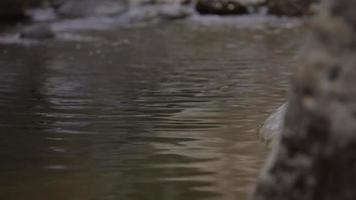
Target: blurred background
<point>141,99</point>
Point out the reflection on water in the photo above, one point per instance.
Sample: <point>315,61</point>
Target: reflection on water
<point>157,112</point>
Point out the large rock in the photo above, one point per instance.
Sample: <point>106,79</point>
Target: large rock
<point>220,7</point>
<point>315,157</point>
<point>289,7</point>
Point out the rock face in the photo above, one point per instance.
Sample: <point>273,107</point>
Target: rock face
<point>273,126</point>
<point>220,7</point>
<point>289,7</point>
<point>315,157</point>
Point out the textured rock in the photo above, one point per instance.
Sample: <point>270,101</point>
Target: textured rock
<point>289,7</point>
<point>315,157</point>
<point>220,7</point>
<point>272,128</point>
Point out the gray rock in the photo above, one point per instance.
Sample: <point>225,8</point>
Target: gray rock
<point>315,158</point>
<point>41,31</point>
<point>271,130</point>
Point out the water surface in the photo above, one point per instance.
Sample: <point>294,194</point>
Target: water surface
<point>166,111</point>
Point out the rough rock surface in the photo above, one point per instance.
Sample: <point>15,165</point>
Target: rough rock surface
<point>271,130</point>
<point>315,157</point>
<point>289,7</point>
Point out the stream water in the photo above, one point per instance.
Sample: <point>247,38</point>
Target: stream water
<point>165,111</point>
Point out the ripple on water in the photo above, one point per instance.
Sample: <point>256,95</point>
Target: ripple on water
<point>169,114</point>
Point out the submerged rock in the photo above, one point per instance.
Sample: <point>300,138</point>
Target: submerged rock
<point>220,7</point>
<point>315,159</point>
<point>41,31</point>
<point>271,130</point>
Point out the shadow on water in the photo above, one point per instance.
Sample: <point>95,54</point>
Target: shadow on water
<point>153,112</point>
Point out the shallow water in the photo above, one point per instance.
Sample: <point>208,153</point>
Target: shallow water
<point>165,111</point>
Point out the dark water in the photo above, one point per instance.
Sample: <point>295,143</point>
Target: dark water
<point>164,111</point>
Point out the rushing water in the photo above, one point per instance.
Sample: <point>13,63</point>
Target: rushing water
<point>161,112</point>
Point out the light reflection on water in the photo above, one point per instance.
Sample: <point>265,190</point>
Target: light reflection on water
<point>156,112</point>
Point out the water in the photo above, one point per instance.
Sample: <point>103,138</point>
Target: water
<point>166,111</point>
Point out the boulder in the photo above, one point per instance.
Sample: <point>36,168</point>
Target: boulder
<point>40,31</point>
<point>289,7</point>
<point>220,7</point>
<point>271,130</point>
<point>315,158</point>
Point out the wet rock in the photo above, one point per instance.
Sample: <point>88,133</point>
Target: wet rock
<point>271,130</point>
<point>289,7</point>
<point>41,31</point>
<point>315,159</point>
<point>220,7</point>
